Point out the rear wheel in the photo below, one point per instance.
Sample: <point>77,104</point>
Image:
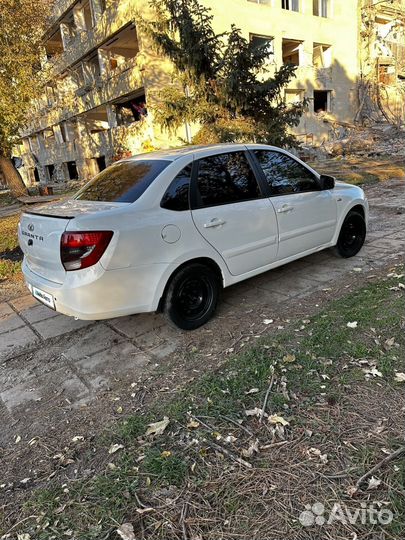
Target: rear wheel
<point>352,235</point>
<point>192,296</point>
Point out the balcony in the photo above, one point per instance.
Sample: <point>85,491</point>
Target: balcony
<point>60,7</point>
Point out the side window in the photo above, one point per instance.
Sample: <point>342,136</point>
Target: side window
<point>225,179</point>
<point>177,194</point>
<point>285,175</point>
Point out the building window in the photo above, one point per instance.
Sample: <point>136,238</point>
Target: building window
<point>321,8</point>
<point>50,171</point>
<point>101,164</point>
<point>262,41</point>
<point>291,5</point>
<point>117,54</point>
<point>131,110</point>
<point>322,101</point>
<point>292,52</point>
<point>322,55</point>
<point>72,170</point>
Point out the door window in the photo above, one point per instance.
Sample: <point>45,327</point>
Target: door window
<point>224,179</point>
<point>177,194</point>
<point>284,174</point>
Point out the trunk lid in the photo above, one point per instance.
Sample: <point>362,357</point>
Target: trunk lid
<point>39,238</point>
<point>40,232</point>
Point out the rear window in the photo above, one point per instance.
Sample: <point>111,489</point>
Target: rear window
<point>124,181</point>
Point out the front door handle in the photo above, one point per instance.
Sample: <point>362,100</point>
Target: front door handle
<point>215,222</point>
<point>285,208</point>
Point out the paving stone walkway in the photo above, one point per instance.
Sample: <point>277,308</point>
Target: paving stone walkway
<point>44,354</point>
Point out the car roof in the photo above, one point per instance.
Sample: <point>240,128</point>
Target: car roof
<point>172,154</point>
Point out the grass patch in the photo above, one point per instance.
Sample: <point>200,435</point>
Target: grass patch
<point>321,359</point>
<point>9,269</point>
<point>8,233</point>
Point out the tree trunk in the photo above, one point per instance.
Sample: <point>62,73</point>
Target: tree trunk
<point>12,177</point>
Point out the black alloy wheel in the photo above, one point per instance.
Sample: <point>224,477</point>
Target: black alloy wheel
<point>192,296</point>
<point>352,235</point>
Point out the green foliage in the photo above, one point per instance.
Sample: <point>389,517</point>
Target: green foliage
<point>170,469</point>
<point>223,82</point>
<point>21,27</point>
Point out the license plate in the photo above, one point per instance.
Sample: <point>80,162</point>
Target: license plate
<point>43,297</point>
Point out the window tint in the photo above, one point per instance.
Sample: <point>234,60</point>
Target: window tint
<point>225,179</point>
<point>124,181</point>
<point>176,196</point>
<point>285,175</point>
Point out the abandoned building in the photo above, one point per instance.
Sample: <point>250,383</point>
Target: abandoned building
<point>103,74</point>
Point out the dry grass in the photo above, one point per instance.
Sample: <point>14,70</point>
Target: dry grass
<point>359,171</point>
<point>190,479</point>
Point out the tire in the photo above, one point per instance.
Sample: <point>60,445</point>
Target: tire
<point>351,236</point>
<point>192,296</point>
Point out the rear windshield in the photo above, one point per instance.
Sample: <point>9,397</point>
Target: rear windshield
<point>124,181</point>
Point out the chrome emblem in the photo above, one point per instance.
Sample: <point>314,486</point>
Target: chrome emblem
<point>30,227</point>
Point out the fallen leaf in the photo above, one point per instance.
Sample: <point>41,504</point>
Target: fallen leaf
<point>268,321</point>
<point>78,438</point>
<point>126,531</point>
<point>351,491</point>
<point>252,391</point>
<point>315,452</point>
<point>276,419</point>
<point>373,371</point>
<point>254,412</point>
<point>17,439</point>
<point>23,536</point>
<point>157,428</point>
<point>399,377</point>
<point>114,448</point>
<point>289,358</point>
<point>230,439</point>
<point>165,454</point>
<point>373,483</point>
<point>253,449</point>
<point>193,424</point>
<point>352,324</point>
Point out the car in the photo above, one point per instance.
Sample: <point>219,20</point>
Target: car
<point>167,230</point>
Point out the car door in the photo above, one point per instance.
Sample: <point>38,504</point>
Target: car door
<point>232,213</point>
<point>306,215</point>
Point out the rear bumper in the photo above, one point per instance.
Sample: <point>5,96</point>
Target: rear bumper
<point>95,293</point>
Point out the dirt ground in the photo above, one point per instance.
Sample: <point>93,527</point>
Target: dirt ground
<point>42,425</point>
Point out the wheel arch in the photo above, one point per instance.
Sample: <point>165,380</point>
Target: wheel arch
<point>207,261</point>
<point>356,206</point>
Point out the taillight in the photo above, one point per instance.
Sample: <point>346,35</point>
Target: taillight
<point>83,249</point>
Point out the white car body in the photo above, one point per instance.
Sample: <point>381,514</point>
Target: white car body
<point>150,243</point>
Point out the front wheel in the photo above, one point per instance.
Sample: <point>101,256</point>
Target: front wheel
<point>192,296</point>
<point>352,235</point>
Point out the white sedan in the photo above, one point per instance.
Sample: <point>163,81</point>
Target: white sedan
<point>166,231</point>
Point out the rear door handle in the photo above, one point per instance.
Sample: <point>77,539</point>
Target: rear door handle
<point>285,208</point>
<point>215,222</point>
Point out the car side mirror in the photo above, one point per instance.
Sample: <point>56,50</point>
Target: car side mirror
<point>326,181</point>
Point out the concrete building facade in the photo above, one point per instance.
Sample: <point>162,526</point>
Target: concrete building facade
<point>104,77</point>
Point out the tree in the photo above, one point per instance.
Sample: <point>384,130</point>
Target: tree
<point>21,30</point>
<point>223,80</point>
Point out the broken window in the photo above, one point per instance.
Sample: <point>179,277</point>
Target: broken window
<point>321,8</point>
<point>131,110</point>
<point>50,171</point>
<point>292,5</point>
<point>54,45</point>
<point>262,41</point>
<point>72,170</point>
<point>292,51</point>
<point>322,101</point>
<point>322,55</point>
<point>101,163</point>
